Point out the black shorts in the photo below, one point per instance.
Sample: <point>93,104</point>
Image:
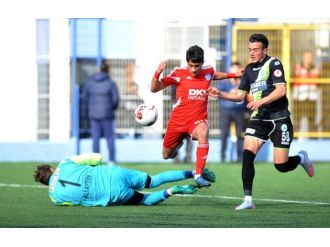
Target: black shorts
<point>279,131</point>
<point>135,199</point>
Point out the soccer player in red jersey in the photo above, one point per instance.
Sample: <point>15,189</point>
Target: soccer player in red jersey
<point>189,115</point>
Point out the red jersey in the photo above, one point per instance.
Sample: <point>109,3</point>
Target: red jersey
<point>191,96</point>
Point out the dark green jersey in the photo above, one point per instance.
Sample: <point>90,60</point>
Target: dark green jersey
<point>259,79</point>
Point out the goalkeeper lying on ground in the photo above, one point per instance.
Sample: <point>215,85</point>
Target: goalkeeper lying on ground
<point>83,180</point>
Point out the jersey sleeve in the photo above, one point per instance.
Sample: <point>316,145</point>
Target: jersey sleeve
<point>244,84</point>
<point>277,72</point>
<point>60,203</point>
<point>90,159</point>
<point>212,72</point>
<point>171,79</point>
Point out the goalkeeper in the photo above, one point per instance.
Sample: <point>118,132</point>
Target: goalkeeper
<point>83,180</point>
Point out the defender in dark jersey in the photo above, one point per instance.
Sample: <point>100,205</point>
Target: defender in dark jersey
<point>264,79</point>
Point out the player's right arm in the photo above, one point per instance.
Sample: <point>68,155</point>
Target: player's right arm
<point>156,84</point>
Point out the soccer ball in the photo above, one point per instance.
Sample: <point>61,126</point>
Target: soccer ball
<point>146,114</point>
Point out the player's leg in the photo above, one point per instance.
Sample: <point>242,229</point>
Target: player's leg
<point>255,136</point>
<point>171,153</point>
<point>251,146</point>
<point>298,110</point>
<point>285,163</point>
<point>189,146</point>
<point>282,138</point>
<point>173,141</point>
<point>109,134</point>
<point>125,184</point>
<point>138,198</point>
<point>239,123</point>
<point>96,134</point>
<point>160,196</point>
<point>225,129</point>
<point>132,197</point>
<point>167,177</point>
<point>137,180</point>
<point>201,132</point>
<point>173,176</point>
<point>311,113</point>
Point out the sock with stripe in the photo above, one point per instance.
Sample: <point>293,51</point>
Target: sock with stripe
<point>201,156</point>
<point>169,176</point>
<point>155,197</point>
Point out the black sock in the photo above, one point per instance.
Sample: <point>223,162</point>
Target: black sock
<point>248,171</point>
<point>290,165</point>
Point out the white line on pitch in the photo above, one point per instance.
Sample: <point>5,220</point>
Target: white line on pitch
<point>202,196</point>
<point>261,199</point>
<point>23,186</point>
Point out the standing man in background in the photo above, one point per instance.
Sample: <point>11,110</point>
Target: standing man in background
<point>306,95</point>
<point>102,98</point>
<point>232,112</point>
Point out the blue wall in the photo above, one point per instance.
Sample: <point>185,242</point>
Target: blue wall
<point>141,150</point>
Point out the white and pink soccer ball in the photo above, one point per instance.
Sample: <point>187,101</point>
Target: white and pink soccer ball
<point>146,114</point>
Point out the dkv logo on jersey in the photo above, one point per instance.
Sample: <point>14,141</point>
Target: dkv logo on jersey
<point>197,94</point>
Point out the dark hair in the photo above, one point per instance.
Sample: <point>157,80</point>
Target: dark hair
<point>104,67</point>
<point>195,54</point>
<point>43,173</point>
<point>259,37</point>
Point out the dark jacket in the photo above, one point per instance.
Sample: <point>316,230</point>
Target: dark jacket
<point>101,95</point>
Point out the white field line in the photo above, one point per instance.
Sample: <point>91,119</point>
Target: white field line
<point>201,196</point>
<point>23,186</point>
<point>261,199</point>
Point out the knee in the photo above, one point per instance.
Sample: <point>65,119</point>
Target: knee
<point>168,153</point>
<point>201,132</point>
<point>248,156</point>
<point>166,156</point>
<point>282,167</point>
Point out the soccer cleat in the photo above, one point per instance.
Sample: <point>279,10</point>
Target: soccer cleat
<point>246,205</point>
<point>176,150</point>
<point>306,163</point>
<point>201,182</point>
<point>184,189</point>
<point>209,175</point>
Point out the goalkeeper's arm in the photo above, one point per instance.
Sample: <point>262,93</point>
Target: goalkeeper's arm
<point>89,159</point>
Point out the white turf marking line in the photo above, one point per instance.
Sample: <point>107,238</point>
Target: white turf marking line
<point>265,200</point>
<point>202,196</point>
<point>23,186</point>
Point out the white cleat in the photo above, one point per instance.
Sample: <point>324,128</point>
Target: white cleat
<point>306,163</point>
<point>246,205</point>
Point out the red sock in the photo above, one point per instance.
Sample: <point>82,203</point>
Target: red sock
<point>201,156</point>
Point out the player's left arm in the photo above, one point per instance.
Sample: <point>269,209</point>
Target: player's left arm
<point>279,92</point>
<point>89,159</point>
<point>234,95</point>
